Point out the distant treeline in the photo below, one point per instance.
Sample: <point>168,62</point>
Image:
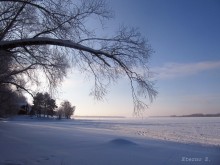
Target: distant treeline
<point>199,115</point>
<point>100,116</point>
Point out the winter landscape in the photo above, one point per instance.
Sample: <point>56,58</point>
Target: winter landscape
<point>98,141</point>
<point>117,62</point>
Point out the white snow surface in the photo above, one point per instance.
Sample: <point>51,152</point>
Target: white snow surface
<point>26,141</point>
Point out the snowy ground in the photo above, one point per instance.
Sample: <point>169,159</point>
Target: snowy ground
<point>25,141</point>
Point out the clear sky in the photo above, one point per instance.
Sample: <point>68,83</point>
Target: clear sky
<point>185,35</point>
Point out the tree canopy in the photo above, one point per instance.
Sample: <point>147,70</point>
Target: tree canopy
<point>52,36</point>
<point>66,110</point>
<point>43,104</point>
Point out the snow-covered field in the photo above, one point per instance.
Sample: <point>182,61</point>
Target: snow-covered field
<point>25,141</point>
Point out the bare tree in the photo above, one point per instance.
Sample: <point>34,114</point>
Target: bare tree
<point>50,36</point>
<point>66,110</point>
<point>59,113</point>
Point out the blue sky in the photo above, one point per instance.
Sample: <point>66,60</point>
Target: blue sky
<point>185,35</point>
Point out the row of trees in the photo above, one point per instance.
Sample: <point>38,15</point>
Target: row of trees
<point>45,106</point>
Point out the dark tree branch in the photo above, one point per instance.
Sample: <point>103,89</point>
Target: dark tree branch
<point>46,41</point>
<point>18,86</point>
<point>2,35</point>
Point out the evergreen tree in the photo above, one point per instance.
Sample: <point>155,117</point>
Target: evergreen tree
<point>44,104</point>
